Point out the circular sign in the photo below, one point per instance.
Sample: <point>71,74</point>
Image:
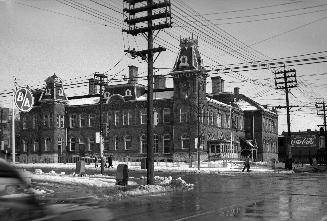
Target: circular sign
<point>24,99</point>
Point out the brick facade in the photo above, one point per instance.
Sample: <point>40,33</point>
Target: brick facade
<point>182,114</point>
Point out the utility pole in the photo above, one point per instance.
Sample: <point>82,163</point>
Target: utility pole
<point>98,80</point>
<point>1,134</point>
<point>321,106</point>
<point>155,11</point>
<point>285,80</point>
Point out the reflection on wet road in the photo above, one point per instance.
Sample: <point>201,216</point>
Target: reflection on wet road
<point>233,197</point>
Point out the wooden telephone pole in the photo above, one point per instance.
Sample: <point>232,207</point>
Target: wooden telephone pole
<point>144,24</point>
<point>285,80</point>
<point>98,80</point>
<point>321,111</point>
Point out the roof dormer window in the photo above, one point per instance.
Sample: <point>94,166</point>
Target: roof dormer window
<point>128,92</point>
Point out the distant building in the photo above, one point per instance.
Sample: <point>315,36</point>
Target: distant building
<point>6,132</point>
<point>260,124</point>
<point>58,125</point>
<point>305,145</point>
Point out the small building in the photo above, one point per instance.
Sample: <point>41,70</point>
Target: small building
<point>304,144</point>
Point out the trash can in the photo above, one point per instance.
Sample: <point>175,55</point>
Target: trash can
<point>144,163</point>
<point>80,168</point>
<point>122,175</point>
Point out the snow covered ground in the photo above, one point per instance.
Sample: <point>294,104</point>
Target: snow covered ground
<point>205,167</point>
<point>95,181</point>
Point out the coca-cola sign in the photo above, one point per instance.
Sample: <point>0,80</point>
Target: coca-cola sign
<point>304,141</point>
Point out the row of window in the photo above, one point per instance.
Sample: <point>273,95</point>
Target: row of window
<point>270,146</point>
<point>269,125</point>
<point>47,121</point>
<point>36,146</point>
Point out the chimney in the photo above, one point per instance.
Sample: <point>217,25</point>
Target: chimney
<point>133,74</point>
<point>92,86</point>
<point>216,85</point>
<point>159,82</point>
<point>236,90</point>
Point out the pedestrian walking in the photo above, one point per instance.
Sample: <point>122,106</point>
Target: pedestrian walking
<point>247,164</point>
<point>110,162</point>
<point>95,161</point>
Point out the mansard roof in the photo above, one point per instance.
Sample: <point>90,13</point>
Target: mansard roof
<point>53,91</point>
<point>189,56</point>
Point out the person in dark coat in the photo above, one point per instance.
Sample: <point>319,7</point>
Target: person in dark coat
<point>110,162</point>
<point>95,161</point>
<point>247,164</point>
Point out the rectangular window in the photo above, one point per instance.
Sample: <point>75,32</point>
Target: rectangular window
<point>73,144</point>
<point>47,144</point>
<point>58,120</point>
<point>34,121</point>
<point>166,143</point>
<point>92,120</point>
<point>185,142</point>
<point>116,142</point>
<point>219,119</point>
<point>62,121</point>
<point>227,121</point>
<point>207,117</point>
<point>73,120</point>
<point>45,121</point>
<point>24,122</point>
<point>143,144</point>
<point>83,120</point>
<point>166,115</point>
<point>116,116</point>
<point>129,118</point>
<point>91,144</point>
<point>202,116</point>
<point>183,116</point>
<point>51,120</point>
<point>155,143</point>
<point>35,146</point>
<point>125,118</point>
<point>128,142</point>
<point>211,118</point>
<point>143,116</point>
<point>24,146</point>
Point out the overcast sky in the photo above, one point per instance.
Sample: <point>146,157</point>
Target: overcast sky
<point>43,37</point>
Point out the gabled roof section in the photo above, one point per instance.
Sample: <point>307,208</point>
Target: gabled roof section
<point>189,57</point>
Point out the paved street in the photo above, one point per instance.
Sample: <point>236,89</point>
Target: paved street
<point>225,197</point>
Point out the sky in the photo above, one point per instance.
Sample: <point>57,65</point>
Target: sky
<point>74,39</point>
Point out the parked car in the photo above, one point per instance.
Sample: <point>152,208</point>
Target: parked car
<point>18,202</point>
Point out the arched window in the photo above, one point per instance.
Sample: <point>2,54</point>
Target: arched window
<point>24,145</point>
<point>91,144</point>
<point>128,92</point>
<point>35,146</point>
<point>143,144</point>
<point>72,144</point>
<point>59,139</point>
<point>47,143</point>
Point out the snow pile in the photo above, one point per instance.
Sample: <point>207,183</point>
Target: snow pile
<point>180,183</point>
<point>38,191</point>
<point>38,171</point>
<point>162,184</point>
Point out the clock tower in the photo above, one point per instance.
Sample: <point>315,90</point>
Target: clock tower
<point>189,76</point>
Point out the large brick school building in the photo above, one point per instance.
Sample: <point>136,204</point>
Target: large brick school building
<point>58,124</point>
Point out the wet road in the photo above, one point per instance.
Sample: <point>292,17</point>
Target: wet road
<point>234,197</point>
